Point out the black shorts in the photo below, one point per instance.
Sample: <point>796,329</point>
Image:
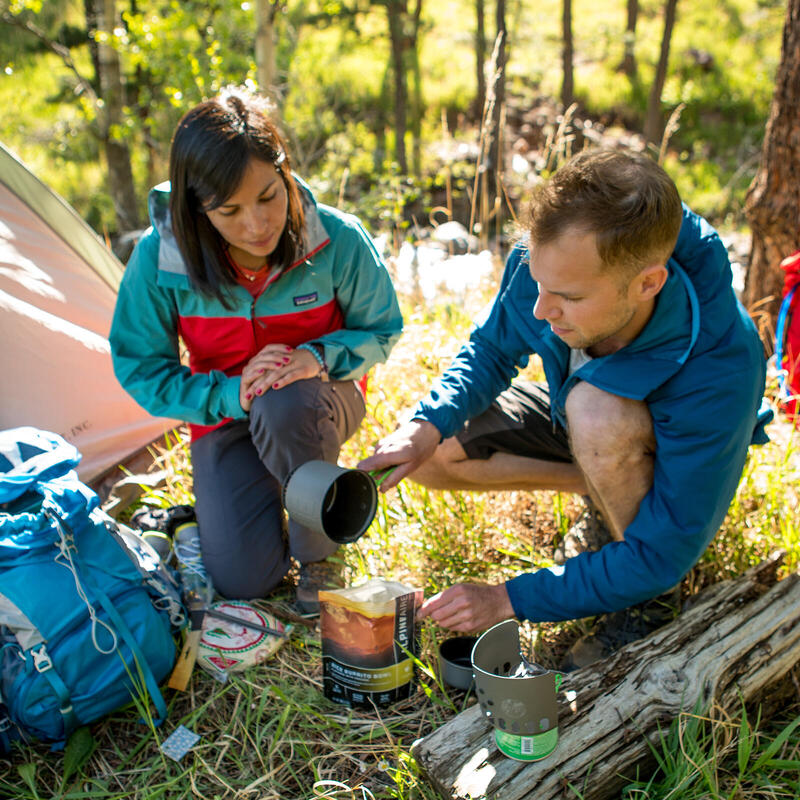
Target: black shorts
<point>517,422</point>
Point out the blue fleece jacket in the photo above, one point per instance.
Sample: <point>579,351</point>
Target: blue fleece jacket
<point>699,366</point>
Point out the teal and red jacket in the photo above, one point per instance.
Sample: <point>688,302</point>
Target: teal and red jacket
<point>337,294</point>
<point>698,364</point>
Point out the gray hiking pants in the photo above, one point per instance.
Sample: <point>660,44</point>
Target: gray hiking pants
<point>239,470</point>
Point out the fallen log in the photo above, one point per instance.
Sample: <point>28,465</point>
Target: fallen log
<point>737,639</point>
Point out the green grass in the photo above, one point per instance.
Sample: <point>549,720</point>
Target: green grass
<point>270,733</point>
<point>705,757</point>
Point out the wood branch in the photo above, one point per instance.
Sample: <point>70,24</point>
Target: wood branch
<point>55,47</point>
<point>740,637</point>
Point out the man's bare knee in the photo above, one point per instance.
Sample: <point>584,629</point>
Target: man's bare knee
<point>613,442</point>
<point>608,431</point>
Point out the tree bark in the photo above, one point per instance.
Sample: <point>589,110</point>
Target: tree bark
<point>412,56</point>
<point>266,67</point>
<point>480,57</point>
<point>740,638</point>
<point>628,63</point>
<point>568,80</point>
<point>653,123</point>
<point>494,175</point>
<point>111,118</point>
<point>773,200</point>
<point>396,13</point>
<point>90,12</point>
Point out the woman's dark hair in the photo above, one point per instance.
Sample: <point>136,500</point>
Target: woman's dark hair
<point>211,148</point>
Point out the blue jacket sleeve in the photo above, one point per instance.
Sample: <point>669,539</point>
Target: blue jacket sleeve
<point>145,354</point>
<point>483,368</point>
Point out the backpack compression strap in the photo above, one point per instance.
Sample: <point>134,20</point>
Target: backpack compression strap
<point>76,564</point>
<point>141,662</point>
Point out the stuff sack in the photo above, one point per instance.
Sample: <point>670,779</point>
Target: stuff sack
<point>87,611</point>
<point>787,339</point>
<point>368,640</point>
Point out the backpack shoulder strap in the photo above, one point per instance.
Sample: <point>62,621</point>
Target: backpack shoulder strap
<point>781,328</point>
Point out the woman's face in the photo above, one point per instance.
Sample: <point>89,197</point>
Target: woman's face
<point>252,219</point>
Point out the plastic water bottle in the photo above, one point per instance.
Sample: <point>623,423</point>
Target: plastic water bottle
<point>196,583</point>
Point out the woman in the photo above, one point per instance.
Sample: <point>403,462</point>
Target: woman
<point>283,306</point>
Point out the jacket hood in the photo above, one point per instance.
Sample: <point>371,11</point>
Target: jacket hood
<point>170,259</point>
<point>704,259</point>
<point>636,370</point>
<point>659,351</point>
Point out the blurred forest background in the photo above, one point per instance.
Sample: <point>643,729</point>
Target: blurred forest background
<point>392,105</point>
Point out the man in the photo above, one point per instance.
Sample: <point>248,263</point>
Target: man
<point>654,376</point>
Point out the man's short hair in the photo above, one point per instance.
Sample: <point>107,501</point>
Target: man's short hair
<point>625,199</point>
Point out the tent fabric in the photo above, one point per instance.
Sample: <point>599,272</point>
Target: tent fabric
<point>58,285</point>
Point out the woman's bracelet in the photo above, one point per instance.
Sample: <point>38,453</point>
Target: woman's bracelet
<point>318,352</point>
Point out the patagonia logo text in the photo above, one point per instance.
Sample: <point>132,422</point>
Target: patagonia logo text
<point>305,299</point>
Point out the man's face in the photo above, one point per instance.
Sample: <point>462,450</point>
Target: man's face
<point>586,305</point>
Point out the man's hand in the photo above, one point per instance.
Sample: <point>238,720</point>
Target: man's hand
<point>469,607</point>
<point>409,446</point>
<point>273,367</point>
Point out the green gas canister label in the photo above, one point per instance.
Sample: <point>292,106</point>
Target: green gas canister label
<point>526,748</point>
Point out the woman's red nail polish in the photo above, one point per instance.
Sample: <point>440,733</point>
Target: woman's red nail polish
<point>285,360</point>
<point>248,396</point>
<point>258,391</point>
<point>261,372</point>
<point>274,385</point>
<point>288,349</point>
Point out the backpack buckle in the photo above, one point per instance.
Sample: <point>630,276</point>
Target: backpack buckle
<point>41,660</point>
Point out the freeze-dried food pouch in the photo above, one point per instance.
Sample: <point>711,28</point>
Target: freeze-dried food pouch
<point>368,632</point>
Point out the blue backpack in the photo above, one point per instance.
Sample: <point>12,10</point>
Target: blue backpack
<point>87,611</point>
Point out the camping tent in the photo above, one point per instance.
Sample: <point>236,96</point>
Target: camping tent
<point>58,285</point>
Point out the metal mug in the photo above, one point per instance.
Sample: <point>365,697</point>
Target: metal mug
<point>335,501</point>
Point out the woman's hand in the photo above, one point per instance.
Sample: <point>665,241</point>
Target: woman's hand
<point>273,367</point>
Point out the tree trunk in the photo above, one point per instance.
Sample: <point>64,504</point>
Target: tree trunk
<point>773,200</point>
<point>413,67</point>
<point>266,68</point>
<point>628,63</point>
<point>90,12</point>
<point>494,194</point>
<point>396,13</point>
<point>741,637</point>
<point>480,57</point>
<point>111,119</point>
<point>653,124</point>
<point>568,82</point>
<point>382,123</point>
